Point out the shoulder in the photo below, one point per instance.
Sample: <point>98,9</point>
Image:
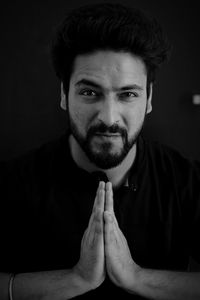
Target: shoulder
<point>168,161</point>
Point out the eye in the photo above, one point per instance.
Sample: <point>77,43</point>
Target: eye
<point>128,96</point>
<point>88,93</point>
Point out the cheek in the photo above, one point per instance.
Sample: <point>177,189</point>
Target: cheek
<point>135,117</point>
<point>80,116</point>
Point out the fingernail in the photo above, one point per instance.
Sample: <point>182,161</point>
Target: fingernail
<point>101,184</point>
<point>109,185</point>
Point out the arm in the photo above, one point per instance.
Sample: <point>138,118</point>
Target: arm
<point>4,282</point>
<point>62,284</point>
<point>86,275</point>
<point>124,272</point>
<point>165,285</point>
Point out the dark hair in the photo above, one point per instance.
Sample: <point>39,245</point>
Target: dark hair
<point>108,26</point>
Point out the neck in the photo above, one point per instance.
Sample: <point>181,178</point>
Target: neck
<point>117,175</point>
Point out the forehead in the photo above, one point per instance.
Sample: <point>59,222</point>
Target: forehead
<point>109,68</point>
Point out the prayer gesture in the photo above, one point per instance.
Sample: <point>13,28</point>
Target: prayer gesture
<point>104,247</point>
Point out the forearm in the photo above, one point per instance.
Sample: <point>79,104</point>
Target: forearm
<point>51,285</point>
<point>4,283</point>
<point>168,285</point>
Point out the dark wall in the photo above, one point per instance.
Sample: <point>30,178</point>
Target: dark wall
<point>30,93</point>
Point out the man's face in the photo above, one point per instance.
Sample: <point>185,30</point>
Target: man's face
<point>107,104</point>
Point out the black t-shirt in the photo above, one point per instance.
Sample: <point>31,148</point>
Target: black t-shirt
<point>46,202</point>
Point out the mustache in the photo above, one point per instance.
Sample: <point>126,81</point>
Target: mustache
<point>103,128</point>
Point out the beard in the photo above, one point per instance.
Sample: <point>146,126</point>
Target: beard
<point>103,156</point>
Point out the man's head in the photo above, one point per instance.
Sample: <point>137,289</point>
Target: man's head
<point>106,56</point>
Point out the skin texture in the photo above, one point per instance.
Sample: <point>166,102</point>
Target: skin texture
<point>106,105</point>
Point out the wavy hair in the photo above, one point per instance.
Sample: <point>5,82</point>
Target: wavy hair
<point>108,26</point>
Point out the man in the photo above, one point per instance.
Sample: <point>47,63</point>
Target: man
<point>101,211</point>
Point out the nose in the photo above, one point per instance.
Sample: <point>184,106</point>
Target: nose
<point>108,112</point>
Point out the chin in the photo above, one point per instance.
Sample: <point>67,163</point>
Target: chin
<point>106,160</point>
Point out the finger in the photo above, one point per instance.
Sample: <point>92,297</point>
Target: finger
<point>100,197</point>
<point>115,220</point>
<point>90,221</point>
<point>99,201</point>
<point>108,228</point>
<point>98,204</point>
<point>96,229</point>
<point>96,219</point>
<point>111,224</point>
<point>109,198</point>
<point>93,235</point>
<point>117,230</point>
<point>98,222</point>
<point>112,230</point>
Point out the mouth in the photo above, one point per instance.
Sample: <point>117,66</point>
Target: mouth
<point>111,135</point>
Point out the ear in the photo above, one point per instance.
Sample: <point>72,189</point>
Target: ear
<point>63,102</point>
<point>149,100</point>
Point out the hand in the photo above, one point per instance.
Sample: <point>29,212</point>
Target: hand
<point>119,264</point>
<point>91,265</point>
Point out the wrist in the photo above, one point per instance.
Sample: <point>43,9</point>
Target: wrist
<point>82,284</point>
<point>137,278</point>
<point>133,282</point>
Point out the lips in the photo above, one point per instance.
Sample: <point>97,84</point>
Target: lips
<point>108,134</point>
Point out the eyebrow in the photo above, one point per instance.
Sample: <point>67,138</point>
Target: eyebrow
<point>87,82</point>
<point>96,85</point>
